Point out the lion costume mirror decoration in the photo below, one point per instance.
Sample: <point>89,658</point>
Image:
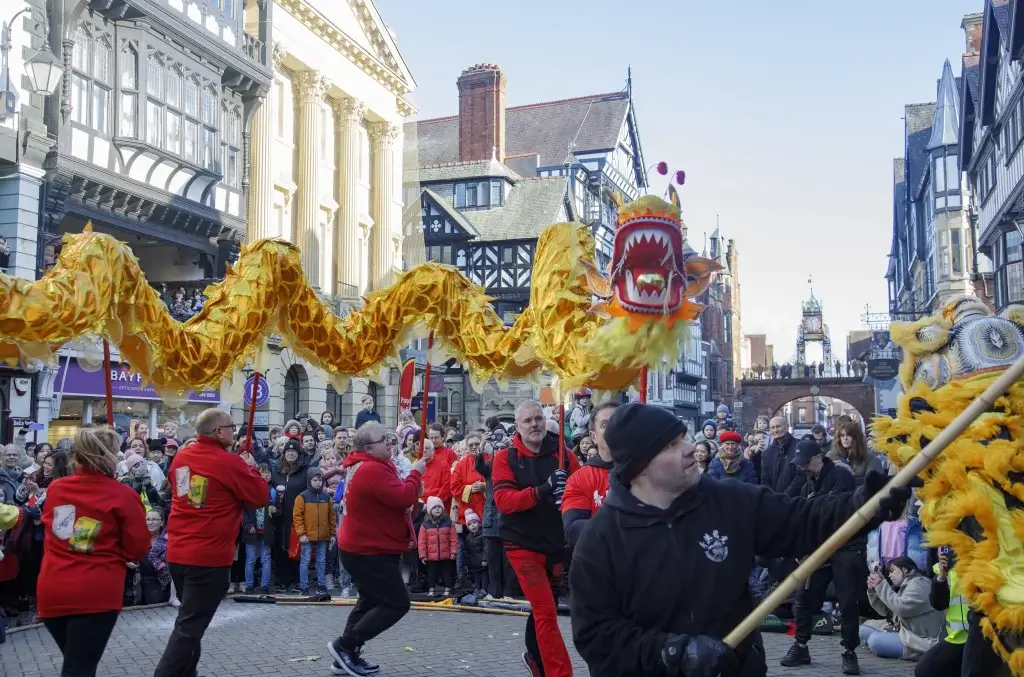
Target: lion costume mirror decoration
<point>98,290</point>
<point>973,494</point>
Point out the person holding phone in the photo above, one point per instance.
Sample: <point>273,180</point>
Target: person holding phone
<point>945,658</point>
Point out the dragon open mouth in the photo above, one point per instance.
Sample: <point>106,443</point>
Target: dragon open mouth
<point>648,278</point>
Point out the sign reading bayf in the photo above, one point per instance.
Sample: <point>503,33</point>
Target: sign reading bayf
<point>73,381</point>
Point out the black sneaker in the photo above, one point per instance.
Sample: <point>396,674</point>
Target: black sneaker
<point>371,669</point>
<point>345,659</point>
<point>850,664</point>
<point>532,665</point>
<point>797,655</point>
<point>261,590</point>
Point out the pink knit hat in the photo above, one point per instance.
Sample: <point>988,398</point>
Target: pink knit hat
<point>433,502</point>
<point>471,516</point>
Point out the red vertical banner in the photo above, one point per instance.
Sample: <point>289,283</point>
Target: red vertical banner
<point>405,384</point>
<point>643,384</point>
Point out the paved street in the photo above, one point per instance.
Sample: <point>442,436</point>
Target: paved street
<point>250,639</point>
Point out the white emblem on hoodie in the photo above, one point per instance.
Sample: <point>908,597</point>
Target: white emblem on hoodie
<point>715,546</point>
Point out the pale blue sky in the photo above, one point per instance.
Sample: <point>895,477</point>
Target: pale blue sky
<point>785,115</point>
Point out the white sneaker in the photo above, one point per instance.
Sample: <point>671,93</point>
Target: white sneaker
<point>174,602</point>
<point>447,592</point>
<point>430,593</point>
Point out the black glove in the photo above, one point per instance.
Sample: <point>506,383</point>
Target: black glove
<point>698,656</point>
<point>32,512</point>
<point>554,487</point>
<point>892,506</point>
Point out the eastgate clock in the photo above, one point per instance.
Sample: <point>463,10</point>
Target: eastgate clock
<point>812,323</point>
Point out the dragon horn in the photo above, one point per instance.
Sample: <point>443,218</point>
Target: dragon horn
<point>674,197</point>
<point>614,196</point>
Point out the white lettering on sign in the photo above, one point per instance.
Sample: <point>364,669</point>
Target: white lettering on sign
<point>124,375</point>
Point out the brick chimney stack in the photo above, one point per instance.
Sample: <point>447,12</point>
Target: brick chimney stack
<point>482,113</point>
<point>972,25</point>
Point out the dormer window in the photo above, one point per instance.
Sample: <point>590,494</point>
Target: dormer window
<point>475,194</point>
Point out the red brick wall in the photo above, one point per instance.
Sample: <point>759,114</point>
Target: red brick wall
<point>768,396</point>
<point>481,113</point>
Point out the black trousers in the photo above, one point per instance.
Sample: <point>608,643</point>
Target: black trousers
<point>942,660</point>
<point>501,578</point>
<point>441,572</point>
<point>82,639</point>
<point>383,597</point>
<point>200,590</point>
<point>848,574</point>
<point>980,659</point>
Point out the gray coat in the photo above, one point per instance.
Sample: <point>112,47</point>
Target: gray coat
<point>920,624</point>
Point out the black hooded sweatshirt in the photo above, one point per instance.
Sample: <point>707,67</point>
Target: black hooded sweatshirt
<point>640,573</point>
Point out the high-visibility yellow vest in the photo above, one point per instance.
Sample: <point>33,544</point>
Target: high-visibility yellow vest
<point>956,612</point>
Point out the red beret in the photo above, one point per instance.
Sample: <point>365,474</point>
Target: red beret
<point>731,436</point>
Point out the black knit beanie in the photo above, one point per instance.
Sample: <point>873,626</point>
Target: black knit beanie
<point>636,433</point>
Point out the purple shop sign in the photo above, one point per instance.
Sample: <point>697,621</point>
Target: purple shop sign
<point>125,384</point>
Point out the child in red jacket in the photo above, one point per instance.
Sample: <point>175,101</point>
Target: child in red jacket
<point>439,546</point>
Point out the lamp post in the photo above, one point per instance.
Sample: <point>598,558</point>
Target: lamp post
<point>44,69</point>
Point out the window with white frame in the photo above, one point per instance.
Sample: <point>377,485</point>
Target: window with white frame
<point>946,175</point>
<point>128,108</point>
<point>92,79</point>
<point>231,140</point>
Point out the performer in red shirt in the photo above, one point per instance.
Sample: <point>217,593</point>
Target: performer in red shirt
<point>375,531</point>
<point>210,488</point>
<point>529,482</point>
<point>586,489</point>
<point>93,526</point>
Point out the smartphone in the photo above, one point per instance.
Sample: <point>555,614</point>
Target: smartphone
<point>944,550</point>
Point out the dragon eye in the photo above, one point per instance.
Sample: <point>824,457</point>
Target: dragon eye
<point>919,404</point>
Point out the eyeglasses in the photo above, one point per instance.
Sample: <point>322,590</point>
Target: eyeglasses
<point>232,426</point>
<point>383,439</point>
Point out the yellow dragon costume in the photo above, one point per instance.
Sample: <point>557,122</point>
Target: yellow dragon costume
<point>973,494</point>
<point>97,289</point>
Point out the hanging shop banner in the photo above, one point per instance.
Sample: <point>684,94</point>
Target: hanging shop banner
<point>125,384</point>
<point>883,369</point>
<point>405,384</point>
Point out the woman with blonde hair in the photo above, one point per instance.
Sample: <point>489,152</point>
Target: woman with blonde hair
<point>94,526</point>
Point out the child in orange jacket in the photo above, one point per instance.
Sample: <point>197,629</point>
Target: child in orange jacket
<point>314,521</point>
<point>438,546</point>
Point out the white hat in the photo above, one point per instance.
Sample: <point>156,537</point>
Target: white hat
<point>471,516</point>
<point>433,502</point>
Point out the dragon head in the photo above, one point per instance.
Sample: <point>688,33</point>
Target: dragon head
<point>973,493</point>
<point>653,273</point>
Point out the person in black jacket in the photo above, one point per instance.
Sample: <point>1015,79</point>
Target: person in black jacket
<point>660,573</point>
<point>847,568</point>
<point>777,470</point>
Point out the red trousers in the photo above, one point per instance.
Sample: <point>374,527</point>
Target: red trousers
<point>537,579</point>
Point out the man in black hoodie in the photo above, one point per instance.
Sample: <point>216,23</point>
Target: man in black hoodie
<point>847,568</point>
<point>660,573</point>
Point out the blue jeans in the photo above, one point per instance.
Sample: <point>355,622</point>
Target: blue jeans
<point>321,563</point>
<point>252,550</point>
<point>883,644</point>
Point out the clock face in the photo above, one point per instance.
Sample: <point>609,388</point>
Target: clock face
<point>812,323</point>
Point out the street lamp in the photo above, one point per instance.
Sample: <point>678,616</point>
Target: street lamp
<point>43,68</point>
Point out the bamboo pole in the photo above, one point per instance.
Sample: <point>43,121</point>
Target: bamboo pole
<point>866,512</point>
<point>415,606</point>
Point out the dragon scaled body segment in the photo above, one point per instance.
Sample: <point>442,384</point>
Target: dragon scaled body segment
<point>973,493</point>
<point>97,289</point>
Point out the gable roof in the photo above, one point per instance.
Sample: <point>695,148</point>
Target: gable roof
<point>381,34</point>
<point>591,123</point>
<point>990,46</point>
<point>969,93</point>
<point>452,213</point>
<point>532,205</point>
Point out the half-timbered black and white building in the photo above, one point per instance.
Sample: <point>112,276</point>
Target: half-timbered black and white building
<point>150,134</point>
<point>480,188</point>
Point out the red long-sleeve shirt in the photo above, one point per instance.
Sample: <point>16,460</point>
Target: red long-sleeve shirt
<point>94,526</point>
<point>210,488</point>
<point>437,481</point>
<point>377,502</point>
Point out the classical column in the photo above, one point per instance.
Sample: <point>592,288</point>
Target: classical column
<point>348,116</point>
<point>260,209</point>
<point>309,89</point>
<point>383,136</point>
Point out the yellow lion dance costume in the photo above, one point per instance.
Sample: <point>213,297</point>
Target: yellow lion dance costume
<point>973,494</point>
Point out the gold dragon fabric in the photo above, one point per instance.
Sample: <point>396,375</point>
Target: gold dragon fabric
<point>97,289</point>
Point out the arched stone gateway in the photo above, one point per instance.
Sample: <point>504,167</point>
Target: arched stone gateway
<point>766,396</point>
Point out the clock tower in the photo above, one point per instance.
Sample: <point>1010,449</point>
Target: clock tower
<point>813,328</point>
